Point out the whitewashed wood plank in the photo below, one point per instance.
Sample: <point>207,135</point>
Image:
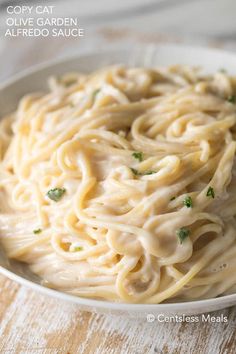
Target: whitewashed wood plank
<point>33,323</point>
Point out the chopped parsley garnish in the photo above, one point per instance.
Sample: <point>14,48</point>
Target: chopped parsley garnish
<point>95,92</point>
<point>173,198</point>
<point>56,194</point>
<point>210,192</point>
<point>37,231</point>
<point>137,173</point>
<point>231,99</point>
<point>78,248</point>
<point>222,70</point>
<point>182,234</point>
<point>188,202</point>
<point>149,173</point>
<point>138,156</point>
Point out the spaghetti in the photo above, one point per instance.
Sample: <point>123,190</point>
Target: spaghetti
<point>120,184</point>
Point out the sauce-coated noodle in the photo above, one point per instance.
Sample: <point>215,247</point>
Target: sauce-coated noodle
<point>120,185</point>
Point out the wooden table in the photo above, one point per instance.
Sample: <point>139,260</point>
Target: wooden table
<point>31,323</point>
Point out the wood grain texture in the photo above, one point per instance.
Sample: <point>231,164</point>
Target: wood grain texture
<point>32,323</point>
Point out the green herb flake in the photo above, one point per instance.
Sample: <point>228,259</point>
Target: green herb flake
<point>56,194</point>
<point>210,192</point>
<point>188,202</point>
<point>231,99</point>
<point>223,71</point>
<point>149,172</point>
<point>138,156</point>
<point>78,248</point>
<point>135,172</point>
<point>173,198</point>
<point>182,234</point>
<point>37,231</point>
<point>95,92</point>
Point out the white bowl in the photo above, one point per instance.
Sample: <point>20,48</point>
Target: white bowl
<point>36,79</point>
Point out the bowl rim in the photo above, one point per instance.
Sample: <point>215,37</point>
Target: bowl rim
<point>205,304</point>
<point>121,306</point>
<point>118,49</point>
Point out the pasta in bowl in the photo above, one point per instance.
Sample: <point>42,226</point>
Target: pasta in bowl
<point>119,184</point>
